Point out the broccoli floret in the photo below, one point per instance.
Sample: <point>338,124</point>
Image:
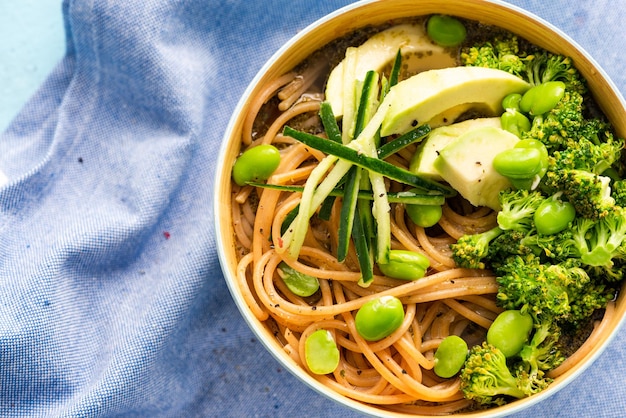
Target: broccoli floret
<point>563,291</point>
<point>470,250</point>
<point>559,246</point>
<point>618,192</point>
<point>586,155</point>
<point>560,125</point>
<point>544,67</point>
<point>542,353</point>
<point>518,207</point>
<point>589,193</point>
<point>502,53</point>
<point>486,377</point>
<point>599,241</point>
<point>510,242</point>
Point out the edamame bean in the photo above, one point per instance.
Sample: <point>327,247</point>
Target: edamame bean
<point>541,147</point>
<point>553,215</point>
<point>542,98</point>
<point>518,163</point>
<point>445,30</point>
<point>510,331</point>
<point>321,352</point>
<point>450,356</point>
<point>511,101</point>
<point>299,283</point>
<point>378,318</point>
<point>405,265</point>
<point>424,215</point>
<point>515,122</point>
<point>256,164</point>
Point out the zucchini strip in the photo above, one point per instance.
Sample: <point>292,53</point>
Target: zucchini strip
<point>402,141</point>
<point>347,153</point>
<point>330,122</point>
<point>348,209</point>
<point>408,197</point>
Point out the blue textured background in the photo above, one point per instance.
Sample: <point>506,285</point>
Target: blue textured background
<point>112,302</point>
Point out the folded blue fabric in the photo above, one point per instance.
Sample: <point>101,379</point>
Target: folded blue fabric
<point>112,302</point>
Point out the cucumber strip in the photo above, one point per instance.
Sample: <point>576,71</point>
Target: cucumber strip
<point>367,102</point>
<point>326,208</point>
<point>368,92</point>
<point>363,253</point>
<point>298,227</point>
<point>313,195</point>
<point>330,122</point>
<point>402,141</point>
<point>289,219</point>
<point>395,70</point>
<point>348,209</point>
<point>376,165</point>
<point>407,197</point>
<point>380,211</point>
<point>349,94</point>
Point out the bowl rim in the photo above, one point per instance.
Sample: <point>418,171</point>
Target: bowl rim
<point>257,328</point>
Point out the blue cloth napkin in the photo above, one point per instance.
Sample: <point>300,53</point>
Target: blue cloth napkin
<point>112,302</point>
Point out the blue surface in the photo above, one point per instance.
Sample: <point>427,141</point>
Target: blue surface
<point>32,42</point>
<point>112,299</point>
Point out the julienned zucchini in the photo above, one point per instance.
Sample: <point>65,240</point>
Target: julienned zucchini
<point>373,164</point>
<point>408,198</point>
<point>367,105</point>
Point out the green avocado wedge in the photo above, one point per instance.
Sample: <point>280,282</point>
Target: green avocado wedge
<point>418,52</point>
<point>423,97</point>
<point>427,152</point>
<point>466,164</point>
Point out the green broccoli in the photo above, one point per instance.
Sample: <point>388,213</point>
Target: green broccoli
<point>502,53</point>
<point>470,250</point>
<point>510,242</point>
<point>518,207</point>
<point>544,67</point>
<point>559,246</point>
<point>542,352</point>
<point>589,193</point>
<point>618,192</point>
<point>561,125</point>
<point>599,241</point>
<point>486,377</point>
<point>583,154</point>
<point>563,291</point>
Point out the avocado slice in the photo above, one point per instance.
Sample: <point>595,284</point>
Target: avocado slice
<point>423,160</point>
<point>418,99</point>
<point>466,163</point>
<point>418,51</point>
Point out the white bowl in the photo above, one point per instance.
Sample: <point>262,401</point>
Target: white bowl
<point>339,23</point>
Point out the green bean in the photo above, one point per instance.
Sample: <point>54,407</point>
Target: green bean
<point>445,30</point>
<point>511,101</point>
<point>515,122</point>
<point>256,164</point>
<point>424,215</point>
<point>543,151</point>
<point>405,265</point>
<point>518,163</point>
<point>542,98</point>
<point>299,283</point>
<point>321,352</point>
<point>450,356</point>
<point>378,318</point>
<point>509,331</point>
<point>553,215</point>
